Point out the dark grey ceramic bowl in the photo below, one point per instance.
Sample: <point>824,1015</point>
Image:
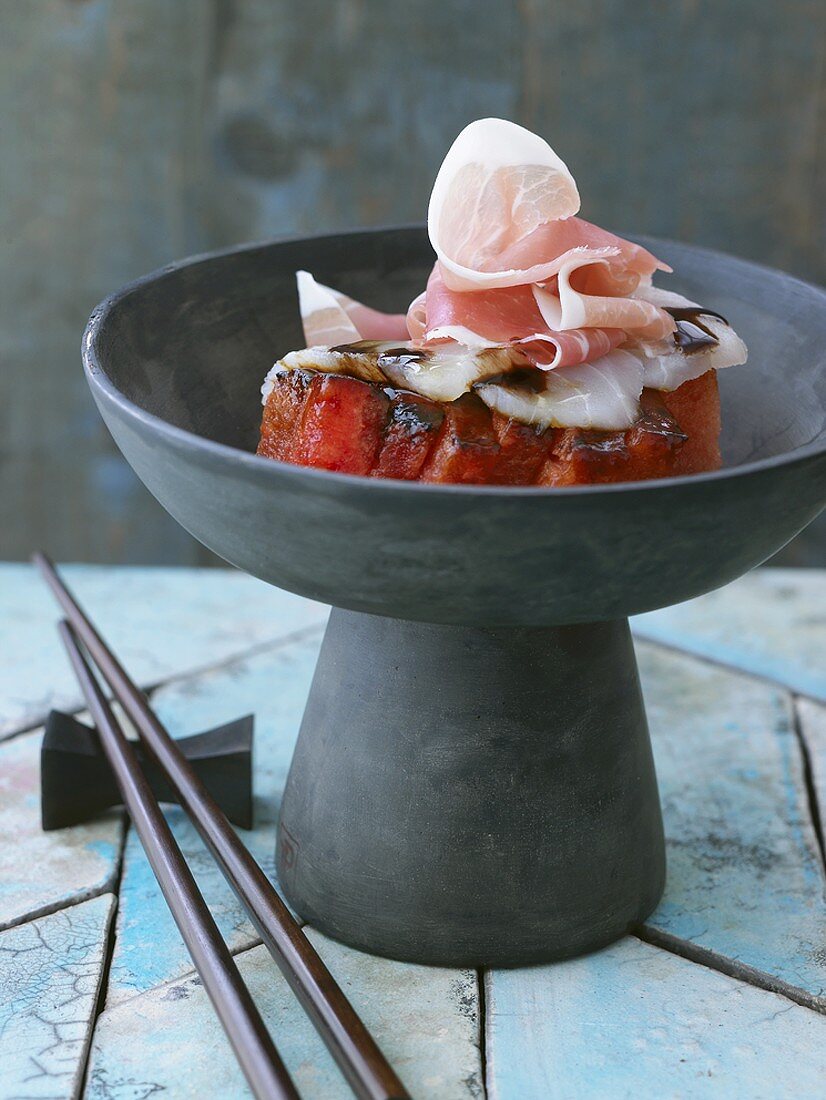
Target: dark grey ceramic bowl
<point>176,361</point>
<point>473,780</point>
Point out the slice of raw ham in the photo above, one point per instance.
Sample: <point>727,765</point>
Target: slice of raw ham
<point>496,185</point>
<point>604,395</point>
<point>584,298</point>
<point>330,317</point>
<point>665,366</point>
<point>505,316</point>
<point>552,243</point>
<point>502,212</point>
<point>323,317</point>
<point>372,324</point>
<point>417,317</point>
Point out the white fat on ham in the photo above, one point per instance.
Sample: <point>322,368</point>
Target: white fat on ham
<point>330,317</point>
<point>603,395</point>
<point>445,373</point>
<point>361,364</point>
<point>442,374</point>
<point>573,308</point>
<point>497,184</point>
<point>666,366</point>
<point>417,317</point>
<point>323,316</point>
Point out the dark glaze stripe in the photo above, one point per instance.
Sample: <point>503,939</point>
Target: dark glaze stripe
<point>691,335</point>
<point>358,346</point>
<point>402,356</point>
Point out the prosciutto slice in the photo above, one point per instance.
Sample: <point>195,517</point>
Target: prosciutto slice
<point>502,211</point>
<point>501,317</point>
<point>502,214</point>
<point>543,252</point>
<point>603,395</point>
<point>665,367</point>
<point>585,296</point>
<point>497,184</point>
<point>520,280</point>
<point>330,317</point>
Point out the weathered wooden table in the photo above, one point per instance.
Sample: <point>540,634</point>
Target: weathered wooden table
<point>722,993</point>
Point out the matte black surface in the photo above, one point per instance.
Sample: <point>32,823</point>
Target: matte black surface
<point>472,796</point>
<point>445,807</point>
<point>76,781</point>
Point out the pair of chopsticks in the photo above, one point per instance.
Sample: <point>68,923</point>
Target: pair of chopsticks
<point>352,1046</point>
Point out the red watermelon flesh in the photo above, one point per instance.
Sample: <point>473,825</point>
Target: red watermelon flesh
<point>340,423</point>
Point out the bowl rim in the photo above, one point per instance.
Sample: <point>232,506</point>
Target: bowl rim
<point>181,438</point>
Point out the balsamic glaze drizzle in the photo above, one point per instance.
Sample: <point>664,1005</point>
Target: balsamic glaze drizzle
<point>691,334</point>
<point>401,357</point>
<point>356,347</point>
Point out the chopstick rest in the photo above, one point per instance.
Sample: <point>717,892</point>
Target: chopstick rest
<point>76,781</point>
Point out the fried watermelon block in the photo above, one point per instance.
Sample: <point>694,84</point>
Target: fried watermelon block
<point>466,450</point>
<point>282,413</point>
<point>677,433</point>
<point>336,422</point>
<point>523,450</point>
<point>331,422</point>
<point>412,428</point>
<point>696,408</point>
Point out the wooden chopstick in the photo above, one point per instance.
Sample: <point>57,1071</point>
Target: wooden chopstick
<point>352,1046</point>
<point>266,1073</point>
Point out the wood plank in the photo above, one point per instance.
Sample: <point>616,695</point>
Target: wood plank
<point>44,871</point>
<point>635,1021</point>
<point>161,622</point>
<point>745,879</point>
<point>812,719</point>
<point>102,105</point>
<point>771,623</point>
<point>50,973</point>
<point>682,109</point>
<point>426,1020</point>
<point>148,948</point>
<point>144,133</point>
<point>355,133</point>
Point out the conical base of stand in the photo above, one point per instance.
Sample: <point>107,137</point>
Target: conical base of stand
<point>472,796</point>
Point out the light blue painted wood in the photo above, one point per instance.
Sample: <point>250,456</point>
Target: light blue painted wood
<point>50,972</point>
<point>637,1023</point>
<point>161,622</point>
<point>812,717</point>
<point>744,873</point>
<point>771,623</point>
<point>43,871</point>
<point>426,1020</point>
<point>148,949</point>
<point>745,879</point>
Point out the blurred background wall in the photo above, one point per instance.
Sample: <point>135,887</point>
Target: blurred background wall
<point>137,131</point>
